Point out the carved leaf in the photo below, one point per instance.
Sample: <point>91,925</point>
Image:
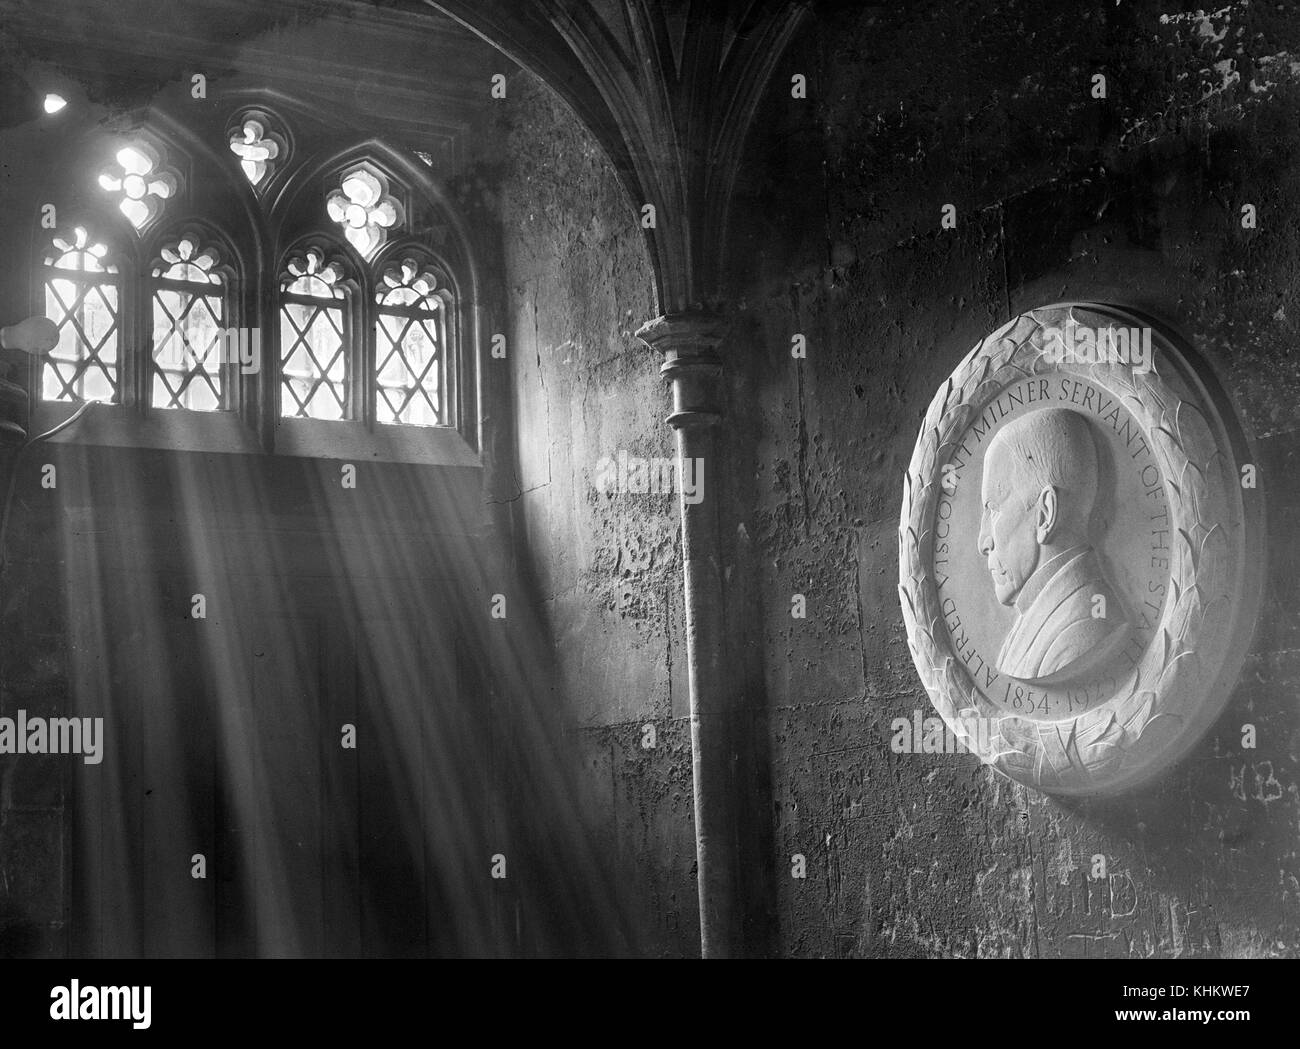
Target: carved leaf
<point>1139,711</point>
<point>909,610</point>
<point>1101,744</point>
<point>1183,418</point>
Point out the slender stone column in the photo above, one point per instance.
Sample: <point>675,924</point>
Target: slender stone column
<point>688,342</point>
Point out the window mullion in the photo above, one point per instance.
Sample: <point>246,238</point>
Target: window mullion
<point>447,339</point>
<point>135,357</point>
<point>367,385</point>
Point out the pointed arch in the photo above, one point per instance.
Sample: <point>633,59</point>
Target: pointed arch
<point>193,357</point>
<point>83,294</point>
<point>415,337</point>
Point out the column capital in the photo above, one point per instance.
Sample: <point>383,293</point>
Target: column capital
<point>692,332</point>
<point>692,366</point>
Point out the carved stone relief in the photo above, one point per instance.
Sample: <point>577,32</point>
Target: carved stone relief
<point>1079,553</point>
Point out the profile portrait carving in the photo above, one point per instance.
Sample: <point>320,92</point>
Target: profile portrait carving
<point>1039,488</point>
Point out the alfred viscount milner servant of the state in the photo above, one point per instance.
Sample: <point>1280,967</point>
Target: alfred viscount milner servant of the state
<point>1038,491</point>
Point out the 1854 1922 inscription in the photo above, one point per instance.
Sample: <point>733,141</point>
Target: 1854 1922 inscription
<point>1079,561</point>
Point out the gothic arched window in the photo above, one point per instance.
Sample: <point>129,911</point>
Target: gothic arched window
<point>316,350</point>
<point>410,343</point>
<point>81,297</point>
<point>269,286</point>
<point>192,349</point>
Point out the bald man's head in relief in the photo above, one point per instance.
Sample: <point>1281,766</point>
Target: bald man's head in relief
<point>1037,496</point>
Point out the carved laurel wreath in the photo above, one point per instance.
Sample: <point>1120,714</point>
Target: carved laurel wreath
<point>1157,704</point>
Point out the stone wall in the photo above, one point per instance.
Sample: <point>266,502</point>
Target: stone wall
<point>607,565</point>
<point>1134,198</point>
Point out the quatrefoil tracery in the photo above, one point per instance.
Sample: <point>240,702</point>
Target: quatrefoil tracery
<point>365,209</point>
<point>141,181</point>
<point>258,148</point>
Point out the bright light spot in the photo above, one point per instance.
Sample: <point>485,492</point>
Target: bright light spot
<point>133,161</point>
<point>53,103</point>
<point>134,186</point>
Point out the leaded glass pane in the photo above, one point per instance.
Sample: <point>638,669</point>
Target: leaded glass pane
<point>314,368</point>
<point>407,376</point>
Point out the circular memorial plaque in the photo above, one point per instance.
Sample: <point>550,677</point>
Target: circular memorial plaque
<point>1080,551</point>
